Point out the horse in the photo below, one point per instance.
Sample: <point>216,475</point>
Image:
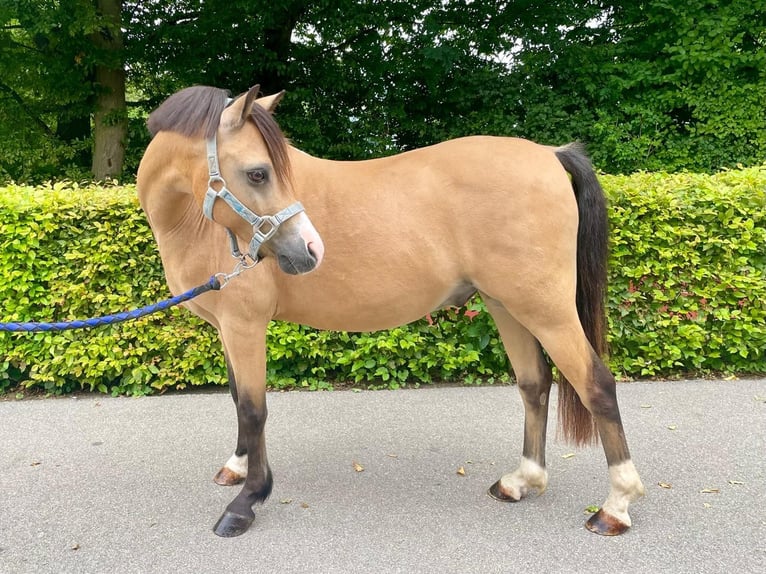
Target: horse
<point>522,224</point>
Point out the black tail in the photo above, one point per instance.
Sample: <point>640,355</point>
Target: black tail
<point>575,421</point>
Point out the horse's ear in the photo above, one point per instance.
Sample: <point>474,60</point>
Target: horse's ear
<point>269,103</point>
<point>235,115</point>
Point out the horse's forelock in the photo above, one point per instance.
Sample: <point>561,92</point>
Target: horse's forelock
<point>276,143</point>
<point>194,111</point>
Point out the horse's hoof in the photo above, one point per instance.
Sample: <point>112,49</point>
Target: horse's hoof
<point>605,524</point>
<point>495,491</point>
<point>231,524</point>
<point>226,477</point>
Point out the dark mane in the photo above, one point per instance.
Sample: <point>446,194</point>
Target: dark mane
<point>194,111</point>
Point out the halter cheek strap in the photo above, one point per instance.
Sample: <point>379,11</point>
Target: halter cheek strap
<point>264,227</point>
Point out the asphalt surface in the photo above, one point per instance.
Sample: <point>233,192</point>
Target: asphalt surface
<point>111,485</point>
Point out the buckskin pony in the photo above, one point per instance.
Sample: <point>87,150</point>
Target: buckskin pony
<point>524,225</point>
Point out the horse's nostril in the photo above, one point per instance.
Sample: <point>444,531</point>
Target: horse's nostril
<point>316,251</point>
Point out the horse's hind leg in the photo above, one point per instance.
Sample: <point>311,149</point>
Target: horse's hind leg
<point>533,377</point>
<point>571,352</point>
<point>235,469</point>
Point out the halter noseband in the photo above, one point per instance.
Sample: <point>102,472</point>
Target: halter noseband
<point>264,227</point>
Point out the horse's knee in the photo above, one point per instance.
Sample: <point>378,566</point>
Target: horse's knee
<point>535,383</point>
<point>534,390</point>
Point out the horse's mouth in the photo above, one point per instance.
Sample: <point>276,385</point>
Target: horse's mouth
<point>298,265</point>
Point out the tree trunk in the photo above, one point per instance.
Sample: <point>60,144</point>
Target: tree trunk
<point>110,120</point>
<point>73,127</point>
<point>273,74</point>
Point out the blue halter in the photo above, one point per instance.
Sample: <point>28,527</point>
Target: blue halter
<point>264,227</point>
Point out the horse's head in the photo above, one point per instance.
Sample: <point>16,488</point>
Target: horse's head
<point>250,190</point>
<point>244,184</point>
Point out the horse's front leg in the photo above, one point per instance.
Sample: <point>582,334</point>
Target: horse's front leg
<point>246,353</point>
<point>235,469</point>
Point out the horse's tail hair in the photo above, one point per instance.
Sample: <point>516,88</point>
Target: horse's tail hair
<point>575,422</point>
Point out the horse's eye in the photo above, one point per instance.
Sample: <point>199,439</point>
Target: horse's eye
<point>257,176</point>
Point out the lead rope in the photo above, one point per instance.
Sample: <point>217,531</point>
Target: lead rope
<point>215,283</point>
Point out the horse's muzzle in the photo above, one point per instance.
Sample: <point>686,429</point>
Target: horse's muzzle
<point>302,253</point>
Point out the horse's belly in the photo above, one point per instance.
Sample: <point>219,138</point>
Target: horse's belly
<point>369,305</point>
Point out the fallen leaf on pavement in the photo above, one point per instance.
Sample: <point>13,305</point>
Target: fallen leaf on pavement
<point>358,467</point>
<point>665,485</point>
<point>461,471</point>
<point>710,490</point>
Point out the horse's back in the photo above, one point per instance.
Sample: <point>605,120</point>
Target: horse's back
<point>486,179</point>
<point>471,177</point>
<point>501,194</point>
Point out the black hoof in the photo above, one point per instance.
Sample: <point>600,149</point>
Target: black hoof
<point>496,493</point>
<point>230,524</point>
<point>605,524</point>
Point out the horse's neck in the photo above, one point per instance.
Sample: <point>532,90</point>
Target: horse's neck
<point>313,175</point>
<point>183,234</point>
<point>166,208</point>
<point>165,194</point>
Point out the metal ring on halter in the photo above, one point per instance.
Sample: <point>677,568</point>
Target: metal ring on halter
<point>242,265</point>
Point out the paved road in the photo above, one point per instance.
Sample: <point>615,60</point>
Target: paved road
<point>105,485</point>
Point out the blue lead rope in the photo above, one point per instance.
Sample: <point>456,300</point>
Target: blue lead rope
<point>213,284</point>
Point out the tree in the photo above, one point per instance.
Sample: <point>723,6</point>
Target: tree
<point>654,85</point>
<point>61,64</point>
<point>364,77</point>
<point>110,117</point>
<point>647,85</point>
<point>44,116</point>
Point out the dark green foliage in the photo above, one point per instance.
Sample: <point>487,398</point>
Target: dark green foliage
<point>653,85</point>
<point>687,294</point>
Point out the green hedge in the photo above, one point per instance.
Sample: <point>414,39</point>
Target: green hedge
<point>687,294</point>
<point>688,272</point>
